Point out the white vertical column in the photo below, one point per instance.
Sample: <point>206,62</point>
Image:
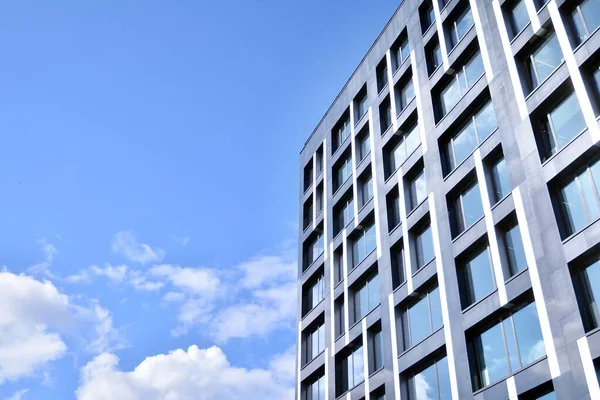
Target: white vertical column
<point>298,358</point>
<point>588,367</point>
<point>354,177</point>
<point>314,190</point>
<point>443,297</point>
<point>365,346</point>
<point>390,77</point>
<point>418,99</point>
<point>481,39</point>
<point>325,212</point>
<point>405,239</point>
<point>331,291</point>
<point>395,368</point>
<point>510,62</point>
<point>375,185</point>
<point>326,374</point>
<point>511,386</point>
<point>441,36</point>
<point>346,297</point>
<point>536,284</point>
<point>533,16</point>
<point>491,229</point>
<point>582,95</point>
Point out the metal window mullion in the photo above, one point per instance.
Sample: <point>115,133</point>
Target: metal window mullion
<point>512,323</point>
<point>582,198</point>
<point>594,186</point>
<point>552,132</point>
<point>583,21</point>
<point>506,354</point>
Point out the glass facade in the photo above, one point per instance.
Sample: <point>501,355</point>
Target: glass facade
<point>314,343</point>
<point>405,146</point>
<point>461,82</point>
<point>544,60</point>
<point>350,372</point>
<point>424,247</point>
<point>460,27</point>
<point>364,244</point>
<point>500,180</point>
<point>366,297</point>
<point>467,208</point>
<point>404,95</point>
<point>316,390</point>
<point>422,318</point>
<point>344,214</point>
<point>431,383</point>
<point>585,18</point>
<point>343,173</point>
<point>515,252</point>
<point>562,124</point>
<point>518,18</point>
<point>580,199</point>
<point>476,278</point>
<point>418,189</point>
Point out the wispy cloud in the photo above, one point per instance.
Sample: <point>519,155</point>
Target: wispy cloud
<point>125,243</point>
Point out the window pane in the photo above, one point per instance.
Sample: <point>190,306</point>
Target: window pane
<point>515,250</point>
<point>474,70</point>
<point>405,50</point>
<point>436,309</point>
<point>374,292</point>
<point>511,345</point>
<point>493,359</point>
<point>315,344</point>
<point>450,96</point>
<point>471,205</point>
<point>573,207</point>
<point>420,326</point>
<point>464,143</point>
<point>419,189</point>
<point>322,388</point>
<point>501,180</point>
<point>547,58</point>
<point>464,23</point>
<point>399,156</point>
<point>595,169</point>
<point>358,370</point>
<point>371,239</point>
<point>425,384</point>
<point>567,121</point>
<point>412,140</point>
<point>519,17</point>
<point>529,334</point>
<point>592,279</point>
<point>485,120</point>
<point>591,13</point>
<point>364,303</point>
<point>589,195</point>
<point>479,276</point>
<point>444,379</point>
<point>424,247</point>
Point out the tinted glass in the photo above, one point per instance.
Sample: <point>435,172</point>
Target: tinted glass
<point>365,146</point>
<point>493,357</point>
<point>436,309</point>
<point>573,207</point>
<point>371,239</point>
<point>511,344</point>
<point>485,121</point>
<point>358,366</point>
<point>529,334</point>
<point>471,205</point>
<point>546,59</point>
<point>592,278</point>
<point>425,247</point>
<point>589,195</point>
<point>444,379</point>
<point>515,250</point>
<point>419,189</point>
<point>595,170</point>
<point>567,121</point>
<point>412,140</point>
<point>463,144</point>
<point>501,180</point>
<point>425,384</point>
<point>519,17</point>
<point>367,190</point>
<point>373,286</point>
<point>473,70</point>
<point>450,95</point>
<point>479,276</point>
<point>591,14</point>
<point>399,156</point>
<point>464,23</point>
<point>419,323</point>
<point>548,396</point>
<point>408,93</point>
<point>404,50</point>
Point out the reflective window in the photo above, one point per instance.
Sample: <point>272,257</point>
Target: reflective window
<point>427,15</point>
<point>366,297</point>
<point>397,256</point>
<point>585,18</point>
<point>460,27</point>
<point>461,81</point>
<point>418,189</point>
<point>361,105</point>
<point>587,288</point>
<point>393,209</point>
<point>580,199</point>
<point>405,93</point>
<point>308,175</point>
<point>313,250</point>
<point>402,149</point>
<point>422,318</point>
<point>364,244</point>
<point>316,390</point>
<point>466,209</point>
<point>343,171</point>
<point>340,321</point>
<point>344,213</point>
<point>319,198</point>
<point>375,351</point>
<point>382,75</point>
<point>385,115</point>
<point>363,145</point>
<point>424,247</point>
<point>511,344</point>
<point>314,293</point>
<point>314,343</point>
<point>307,214</point>
<point>476,278</point>
<point>400,51</point>
<point>338,265</point>
<point>475,131</point>
<point>515,252</point>
<point>365,190</point>
<point>518,18</point>
<point>434,58</point>
<point>500,180</point>
<point>544,60</point>
<point>431,383</point>
<point>350,372</point>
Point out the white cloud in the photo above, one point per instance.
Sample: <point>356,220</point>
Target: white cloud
<point>200,374</point>
<point>31,314</point>
<point>140,282</point>
<point>126,244</point>
<point>18,395</point>
<point>202,282</point>
<point>43,268</point>
<point>106,337</point>
<point>116,274</point>
<point>174,297</point>
<point>266,269</point>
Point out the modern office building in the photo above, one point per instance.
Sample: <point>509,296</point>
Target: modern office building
<point>450,208</point>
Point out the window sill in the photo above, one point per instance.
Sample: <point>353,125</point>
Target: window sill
<point>519,33</point>
<point>376,371</point>
<point>426,31</point>
<point>399,67</point>
<point>355,323</point>
<point>586,39</point>
<point>363,260</point>
<point>405,107</point>
<point>360,119</point>
<point>339,187</point>
<point>553,156</point>
<point>496,204</point>
<point>307,189</point>
<point>459,100</point>
<point>337,149</point>
<point>380,91</point>
<point>341,396</point>
<point>454,240</point>
<point>545,80</point>
<point>313,359</point>
<point>415,208</point>
<point>363,159</point>
<point>398,225</point>
<point>479,301</point>
<point>461,39</point>
<point>571,236</point>
<point>308,267</point>
<point>311,310</point>
<point>365,205</point>
<point>515,276</point>
<point>503,379</point>
<point>388,129</point>
<point>420,341</point>
<point>470,154</point>
<point>423,267</point>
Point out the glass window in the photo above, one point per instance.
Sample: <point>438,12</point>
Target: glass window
<point>400,51</point>
<point>500,180</point>
<point>316,390</point>
<point>418,189</point>
<point>342,132</point>
<point>314,294</point>
<point>385,115</point>
<point>307,214</point>
<point>397,256</point>
<point>514,250</point>
<point>401,150</point>
<point>580,199</point>
<point>431,383</point>
<point>518,18</point>
<point>422,318</point>
<point>365,190</point>
<point>344,213</point>
<point>393,209</point>
<point>467,208</point>
<point>427,15</point>
<point>434,58</point>
<point>404,95</point>
<point>382,75</point>
<point>366,297</point>
<point>460,27</point>
<point>314,343</point>
<point>343,171</point>
<point>308,175</point>
<point>339,318</point>
<point>460,83</point>
<point>544,60</point>
<point>361,106</point>
<point>587,287</point>
<point>313,250</point>
<point>507,346</point>
<point>563,123</point>
<point>338,264</point>
<point>424,247</point>
<point>585,19</point>
<point>365,243</point>
<point>376,351</point>
<point>364,145</point>
<point>476,277</point>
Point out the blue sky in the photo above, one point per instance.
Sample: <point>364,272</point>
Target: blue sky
<point>149,181</point>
